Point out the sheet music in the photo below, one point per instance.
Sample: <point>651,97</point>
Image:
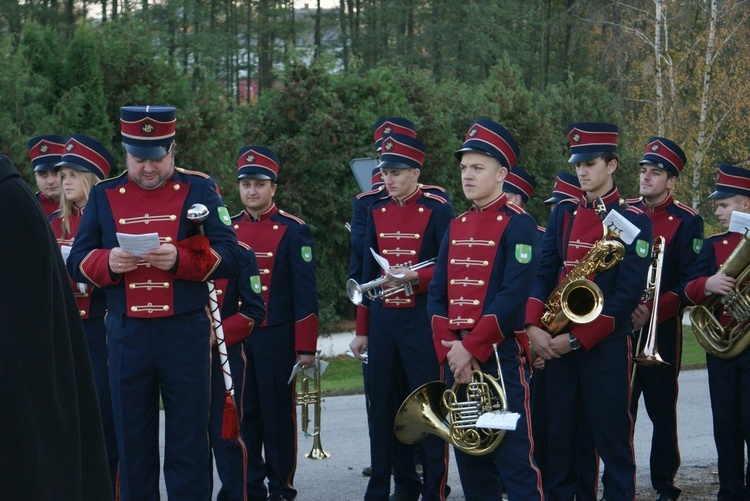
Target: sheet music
<point>138,245</point>
<point>498,420</point>
<point>624,229</point>
<point>739,222</point>
<point>383,262</point>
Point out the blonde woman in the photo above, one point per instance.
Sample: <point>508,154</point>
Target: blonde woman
<point>84,163</point>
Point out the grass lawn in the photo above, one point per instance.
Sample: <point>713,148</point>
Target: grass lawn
<point>344,374</point>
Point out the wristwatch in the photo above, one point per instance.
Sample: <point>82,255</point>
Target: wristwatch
<point>574,343</point>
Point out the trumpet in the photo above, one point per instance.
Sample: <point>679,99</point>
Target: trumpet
<point>647,353</point>
<point>357,292</point>
<point>311,395</point>
<point>432,409</point>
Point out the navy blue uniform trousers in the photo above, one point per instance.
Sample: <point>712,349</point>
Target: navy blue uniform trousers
<point>168,355</point>
<point>269,421</point>
<point>401,357</point>
<point>230,455</point>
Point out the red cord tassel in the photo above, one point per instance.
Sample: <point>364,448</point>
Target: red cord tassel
<point>230,426</point>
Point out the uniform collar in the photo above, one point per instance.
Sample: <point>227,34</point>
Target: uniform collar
<point>658,207</point>
<point>611,197</point>
<point>494,205</point>
<point>75,211</point>
<point>410,199</point>
<point>266,214</point>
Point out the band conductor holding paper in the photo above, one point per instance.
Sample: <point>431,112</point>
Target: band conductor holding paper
<point>157,327</point>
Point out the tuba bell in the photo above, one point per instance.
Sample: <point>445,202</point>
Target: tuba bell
<point>432,409</point>
<point>729,341</point>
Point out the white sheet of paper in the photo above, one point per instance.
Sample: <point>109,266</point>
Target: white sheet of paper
<point>65,251</point>
<point>383,262</point>
<point>498,420</point>
<point>364,355</point>
<point>295,370</point>
<point>624,229</point>
<point>310,371</point>
<point>138,245</point>
<point>739,222</point>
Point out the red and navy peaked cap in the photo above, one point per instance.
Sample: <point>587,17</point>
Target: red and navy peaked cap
<point>401,152</point>
<point>732,181</point>
<point>392,125</point>
<point>490,138</point>
<point>257,162</point>
<point>521,182</point>
<point>46,151</point>
<point>590,140</point>
<point>147,131</point>
<point>663,153</point>
<point>86,154</point>
<point>566,186</point>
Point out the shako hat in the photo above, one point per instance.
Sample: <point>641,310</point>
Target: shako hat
<point>46,151</point>
<point>86,154</point>
<point>147,131</point>
<point>257,162</point>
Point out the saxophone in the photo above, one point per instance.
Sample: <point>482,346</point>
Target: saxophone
<point>576,298</point>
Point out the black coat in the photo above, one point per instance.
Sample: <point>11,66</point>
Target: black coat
<point>51,439</point>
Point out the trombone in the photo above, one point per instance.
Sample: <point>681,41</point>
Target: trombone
<point>647,353</point>
<point>311,395</point>
<point>357,292</point>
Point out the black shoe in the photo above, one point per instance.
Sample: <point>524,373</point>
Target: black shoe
<point>665,496</point>
<point>403,496</point>
<point>367,471</point>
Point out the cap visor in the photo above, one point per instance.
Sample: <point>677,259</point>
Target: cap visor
<point>552,200</point>
<point>44,167</point>
<point>146,152</point>
<point>717,195</point>
<point>71,165</point>
<point>255,175</point>
<point>458,154</point>
<point>387,164</point>
<point>582,157</point>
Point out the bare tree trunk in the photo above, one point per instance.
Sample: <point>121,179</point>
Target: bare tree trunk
<point>318,35</point>
<point>657,68</point>
<point>344,37</point>
<point>708,63</point>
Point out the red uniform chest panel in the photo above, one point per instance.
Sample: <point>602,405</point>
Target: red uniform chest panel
<point>264,238</point>
<point>474,240</point>
<point>587,229</point>
<point>82,292</point>
<point>400,233</point>
<point>148,290</point>
<point>665,225</point>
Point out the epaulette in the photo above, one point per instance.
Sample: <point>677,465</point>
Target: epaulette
<point>569,200</point>
<point>239,214</point>
<point>371,192</point>
<point>633,201</point>
<point>193,172</point>
<point>634,210</point>
<point>462,214</point>
<point>432,187</point>
<point>294,218</point>
<point>112,179</point>
<point>244,245</point>
<point>686,208</point>
<point>718,234</point>
<point>541,228</point>
<point>432,196</point>
<point>515,208</point>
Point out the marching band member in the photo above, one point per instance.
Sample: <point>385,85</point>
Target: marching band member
<point>84,163</point>
<point>157,327</point>
<point>45,152</point>
<point>477,298</point>
<point>682,229</point>
<point>727,378</point>
<point>404,228</point>
<point>589,366</point>
<point>242,308</point>
<point>284,248</point>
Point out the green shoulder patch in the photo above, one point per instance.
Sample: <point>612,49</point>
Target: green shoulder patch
<point>224,215</point>
<point>255,284</point>
<point>697,245</point>
<point>642,248</point>
<point>523,253</point>
<point>307,253</point>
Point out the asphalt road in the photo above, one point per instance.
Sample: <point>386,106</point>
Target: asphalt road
<point>344,437</point>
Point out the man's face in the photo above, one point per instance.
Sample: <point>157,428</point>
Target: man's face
<point>400,183</point>
<point>482,177</point>
<point>595,175</point>
<point>257,194</point>
<point>150,174</point>
<point>725,207</point>
<point>48,182</point>
<point>655,182</point>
